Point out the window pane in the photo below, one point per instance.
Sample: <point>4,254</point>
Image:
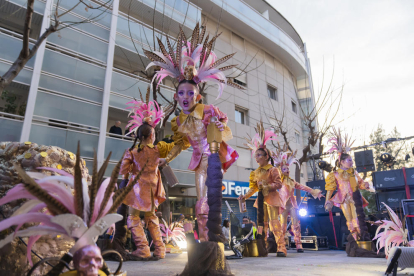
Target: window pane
<point>70,88</point>
<point>11,47</point>
<point>117,146</point>
<point>182,161</point>
<point>73,68</point>
<point>10,130</point>
<point>38,7</point>
<point>25,76</point>
<point>65,139</point>
<point>102,15</point>
<point>89,28</point>
<point>127,44</point>
<point>60,108</point>
<point>238,117</point>
<point>126,85</point>
<point>81,43</point>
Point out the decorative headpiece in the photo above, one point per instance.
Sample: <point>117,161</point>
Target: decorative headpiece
<point>145,112</point>
<point>83,215</point>
<point>192,60</point>
<point>260,138</point>
<point>339,143</point>
<point>282,156</point>
<point>395,232</point>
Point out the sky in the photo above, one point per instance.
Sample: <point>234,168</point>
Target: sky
<point>370,45</point>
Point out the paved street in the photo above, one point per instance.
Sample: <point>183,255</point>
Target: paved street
<point>332,263</point>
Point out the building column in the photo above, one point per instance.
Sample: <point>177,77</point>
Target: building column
<point>108,80</point>
<point>37,70</point>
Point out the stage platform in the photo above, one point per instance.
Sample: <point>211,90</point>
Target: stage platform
<point>321,263</point>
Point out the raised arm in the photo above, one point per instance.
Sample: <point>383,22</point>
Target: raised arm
<point>363,185</point>
<point>316,193</point>
<point>180,142</point>
<point>252,186</point>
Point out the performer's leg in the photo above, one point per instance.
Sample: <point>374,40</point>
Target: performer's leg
<point>283,220</point>
<point>154,228</point>
<point>296,229</point>
<point>346,207</point>
<point>266,222</point>
<point>138,235</point>
<point>276,228</point>
<point>201,205</point>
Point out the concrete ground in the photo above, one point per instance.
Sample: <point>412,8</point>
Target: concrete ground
<point>329,263</point>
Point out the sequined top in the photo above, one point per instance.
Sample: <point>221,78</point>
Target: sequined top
<point>346,182</point>
<point>150,180</point>
<point>270,177</point>
<point>191,130</point>
<point>289,185</point>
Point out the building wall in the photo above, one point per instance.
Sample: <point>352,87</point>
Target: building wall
<point>86,73</point>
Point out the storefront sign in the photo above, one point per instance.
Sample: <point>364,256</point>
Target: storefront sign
<point>234,189</point>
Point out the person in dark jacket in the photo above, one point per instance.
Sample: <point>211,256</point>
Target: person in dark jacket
<point>116,129</point>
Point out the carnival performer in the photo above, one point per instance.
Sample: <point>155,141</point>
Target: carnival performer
<point>346,180</point>
<point>192,64</point>
<point>267,179</point>
<point>284,159</point>
<point>149,192</point>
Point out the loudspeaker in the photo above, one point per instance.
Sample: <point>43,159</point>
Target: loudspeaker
<point>364,161</point>
<point>391,198</point>
<point>388,179</point>
<point>317,184</point>
<point>408,209</point>
<point>316,206</point>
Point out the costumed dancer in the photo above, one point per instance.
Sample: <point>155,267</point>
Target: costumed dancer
<point>149,192</point>
<point>191,64</point>
<point>267,179</point>
<point>347,182</point>
<point>82,215</point>
<point>284,159</point>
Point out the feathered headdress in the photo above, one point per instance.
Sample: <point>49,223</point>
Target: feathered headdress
<point>145,112</point>
<point>394,234</point>
<point>282,156</point>
<point>192,60</point>
<point>260,138</point>
<point>51,203</point>
<point>339,143</point>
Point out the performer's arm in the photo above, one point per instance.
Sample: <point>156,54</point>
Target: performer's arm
<point>126,164</point>
<point>180,142</point>
<point>164,148</point>
<point>316,193</point>
<point>330,187</point>
<point>252,186</point>
<point>363,185</point>
<point>274,181</point>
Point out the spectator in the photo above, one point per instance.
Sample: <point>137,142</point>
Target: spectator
<point>226,233</point>
<point>254,229</point>
<point>116,129</point>
<point>132,134</point>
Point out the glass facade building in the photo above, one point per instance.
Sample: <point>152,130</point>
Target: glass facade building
<point>76,86</point>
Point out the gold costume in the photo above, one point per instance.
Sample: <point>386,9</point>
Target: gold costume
<point>270,177</point>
